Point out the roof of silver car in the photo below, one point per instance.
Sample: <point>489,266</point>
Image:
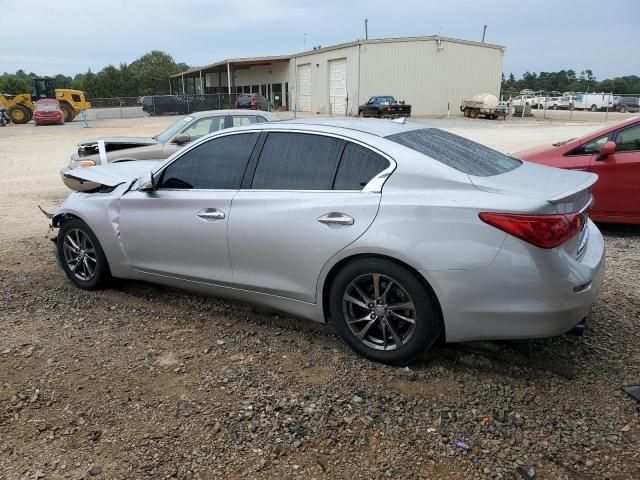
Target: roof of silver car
<point>380,128</point>
<point>231,111</point>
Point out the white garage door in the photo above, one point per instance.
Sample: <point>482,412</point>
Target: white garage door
<point>338,86</point>
<point>304,87</point>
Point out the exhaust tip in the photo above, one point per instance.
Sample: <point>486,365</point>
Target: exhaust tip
<point>579,328</point>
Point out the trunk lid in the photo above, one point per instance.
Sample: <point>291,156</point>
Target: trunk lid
<point>110,175</point>
<point>539,182</point>
<point>565,191</point>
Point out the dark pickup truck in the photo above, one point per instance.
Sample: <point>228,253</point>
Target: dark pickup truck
<point>384,106</point>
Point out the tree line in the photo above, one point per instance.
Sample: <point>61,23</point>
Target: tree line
<point>569,81</point>
<point>148,75</point>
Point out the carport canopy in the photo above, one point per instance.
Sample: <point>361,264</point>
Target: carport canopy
<point>194,80</point>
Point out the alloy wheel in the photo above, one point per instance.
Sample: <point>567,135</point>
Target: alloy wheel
<point>79,254</point>
<point>379,311</point>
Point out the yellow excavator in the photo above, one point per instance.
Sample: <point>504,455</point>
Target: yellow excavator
<point>20,107</point>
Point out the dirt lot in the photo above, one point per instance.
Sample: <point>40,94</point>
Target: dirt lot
<point>139,381</point>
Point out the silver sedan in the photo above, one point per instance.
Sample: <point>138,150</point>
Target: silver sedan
<point>396,233</point>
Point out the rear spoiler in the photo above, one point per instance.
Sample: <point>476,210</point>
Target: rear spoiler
<point>593,178</point>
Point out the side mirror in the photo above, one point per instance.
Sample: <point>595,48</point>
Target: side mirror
<point>181,139</point>
<point>609,148</point>
<point>148,183</point>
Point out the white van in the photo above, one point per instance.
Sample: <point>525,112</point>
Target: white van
<point>593,101</point>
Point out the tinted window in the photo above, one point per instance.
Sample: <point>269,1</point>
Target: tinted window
<point>357,167</point>
<point>628,140</point>
<point>297,161</point>
<point>457,152</point>
<point>216,164</point>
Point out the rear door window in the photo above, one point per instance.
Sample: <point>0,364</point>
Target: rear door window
<point>628,140</point>
<point>297,161</point>
<point>358,166</point>
<point>457,152</point>
<point>214,165</point>
<point>243,120</point>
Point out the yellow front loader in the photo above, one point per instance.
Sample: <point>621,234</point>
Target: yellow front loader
<point>20,107</point>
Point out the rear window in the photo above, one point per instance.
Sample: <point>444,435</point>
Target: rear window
<point>46,107</point>
<point>457,152</point>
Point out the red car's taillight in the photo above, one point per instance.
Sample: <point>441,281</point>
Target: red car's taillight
<point>253,102</point>
<point>544,231</point>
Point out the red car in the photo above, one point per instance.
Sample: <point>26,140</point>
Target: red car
<point>613,153</point>
<point>48,112</point>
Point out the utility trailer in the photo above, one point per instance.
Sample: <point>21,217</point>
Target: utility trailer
<point>484,104</point>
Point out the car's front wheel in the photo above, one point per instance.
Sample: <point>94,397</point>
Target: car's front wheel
<point>81,255</point>
<point>383,311</point>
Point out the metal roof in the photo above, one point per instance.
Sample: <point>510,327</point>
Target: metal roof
<point>237,61</point>
<point>249,61</point>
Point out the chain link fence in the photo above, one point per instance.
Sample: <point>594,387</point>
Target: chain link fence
<point>156,105</point>
<point>569,106</point>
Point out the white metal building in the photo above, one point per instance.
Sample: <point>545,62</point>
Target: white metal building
<point>431,73</point>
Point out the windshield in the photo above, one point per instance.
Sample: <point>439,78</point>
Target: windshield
<point>170,132</point>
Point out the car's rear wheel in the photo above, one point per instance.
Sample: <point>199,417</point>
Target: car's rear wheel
<point>383,311</point>
<point>81,255</point>
<point>67,112</point>
<point>623,109</point>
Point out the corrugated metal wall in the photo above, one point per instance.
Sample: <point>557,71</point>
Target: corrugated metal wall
<point>428,77</point>
<point>416,71</point>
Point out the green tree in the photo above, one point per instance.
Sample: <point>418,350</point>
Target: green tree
<point>152,71</point>
<point>11,84</point>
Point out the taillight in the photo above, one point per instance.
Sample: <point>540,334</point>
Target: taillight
<point>544,231</point>
<point>388,109</point>
<point>253,102</point>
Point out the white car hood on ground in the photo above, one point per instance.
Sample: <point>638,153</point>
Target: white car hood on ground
<point>127,140</point>
<point>113,174</point>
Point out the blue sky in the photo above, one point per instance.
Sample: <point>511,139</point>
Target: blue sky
<point>542,35</point>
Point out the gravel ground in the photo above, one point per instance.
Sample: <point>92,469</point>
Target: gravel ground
<point>141,381</point>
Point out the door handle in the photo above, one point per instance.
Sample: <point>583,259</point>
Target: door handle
<point>336,218</point>
<point>211,214</point>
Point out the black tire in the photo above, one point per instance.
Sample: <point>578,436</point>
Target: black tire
<point>473,113</point>
<point>555,107</point>
<point>360,113</point>
<point>67,112</point>
<point>19,114</point>
<point>415,338</point>
<point>467,112</point>
<point>594,108</point>
<point>68,237</point>
<point>623,109</point>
